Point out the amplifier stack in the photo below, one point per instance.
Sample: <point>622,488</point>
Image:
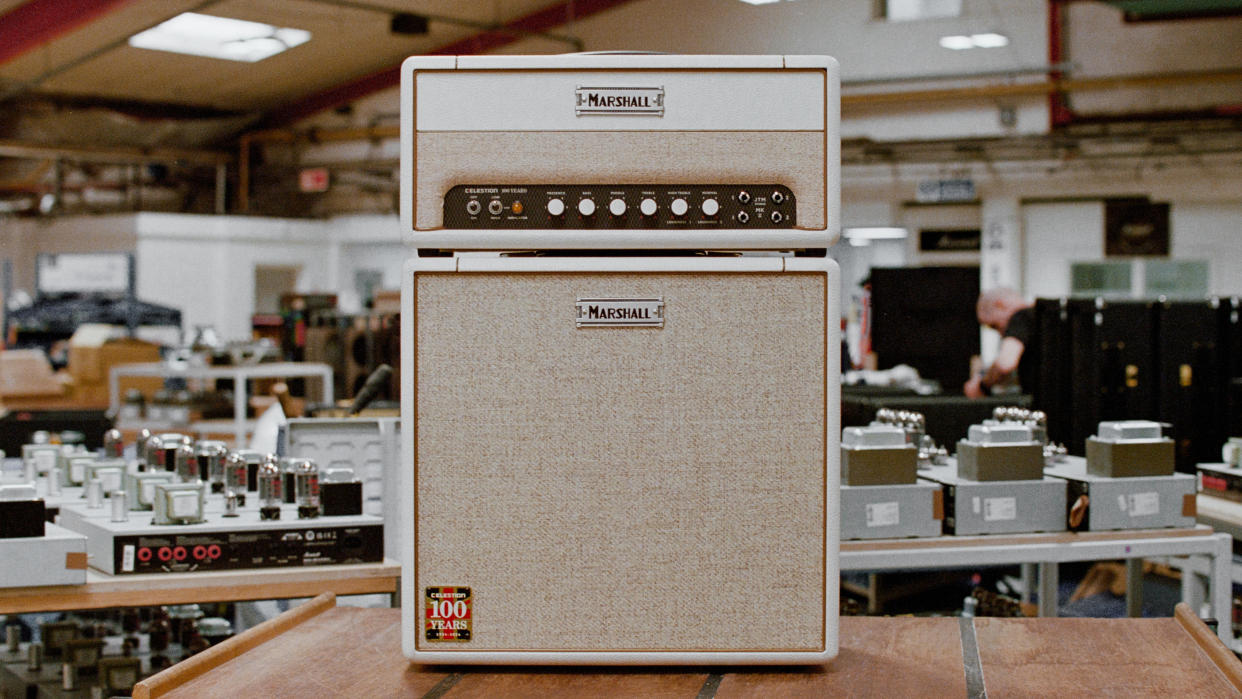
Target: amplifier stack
<point>620,356</point>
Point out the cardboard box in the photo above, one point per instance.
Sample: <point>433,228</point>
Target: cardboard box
<point>387,301</point>
<point>93,351</point>
<point>26,373</point>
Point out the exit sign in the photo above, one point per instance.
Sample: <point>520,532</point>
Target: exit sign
<point>313,179</point>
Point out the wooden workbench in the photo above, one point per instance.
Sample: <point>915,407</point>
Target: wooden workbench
<point>319,649</point>
<point>103,591</point>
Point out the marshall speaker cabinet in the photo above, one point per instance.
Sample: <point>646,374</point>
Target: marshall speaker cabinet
<point>620,356</point>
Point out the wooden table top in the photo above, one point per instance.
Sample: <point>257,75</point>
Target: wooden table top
<point>103,591</point>
<point>319,649</point>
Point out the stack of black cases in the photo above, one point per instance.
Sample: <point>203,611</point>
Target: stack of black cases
<point>1176,362</point>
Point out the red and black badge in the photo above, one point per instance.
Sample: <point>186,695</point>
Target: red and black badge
<point>447,613</point>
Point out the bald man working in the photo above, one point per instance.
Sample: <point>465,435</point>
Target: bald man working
<point>1005,311</point>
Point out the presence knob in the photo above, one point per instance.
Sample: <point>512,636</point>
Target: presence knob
<point>616,207</point>
<point>679,207</point>
<point>556,207</point>
<point>648,207</point>
<point>710,207</point>
<point>586,207</point>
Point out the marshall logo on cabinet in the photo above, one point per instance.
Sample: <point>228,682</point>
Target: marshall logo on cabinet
<point>595,101</point>
<point>620,312</point>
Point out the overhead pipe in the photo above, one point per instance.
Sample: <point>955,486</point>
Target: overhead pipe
<point>118,156</point>
<point>971,75</point>
<point>249,140</point>
<point>1049,87</point>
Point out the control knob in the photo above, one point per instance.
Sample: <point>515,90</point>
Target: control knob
<point>616,207</point>
<point>556,207</point>
<point>710,207</point>
<point>679,207</point>
<point>586,207</point>
<point>648,207</point>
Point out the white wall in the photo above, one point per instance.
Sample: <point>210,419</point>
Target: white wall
<point>22,239</point>
<point>366,242</point>
<point>856,262</point>
<point>205,265</point>
<point>1100,43</point>
<point>1060,233</point>
<point>1212,232</point>
<point>1057,234</point>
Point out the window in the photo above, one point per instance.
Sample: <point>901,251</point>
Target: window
<point>1109,279</point>
<point>1176,279</point>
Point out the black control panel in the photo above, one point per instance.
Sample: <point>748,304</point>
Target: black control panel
<point>614,206</point>
<point>258,548</point>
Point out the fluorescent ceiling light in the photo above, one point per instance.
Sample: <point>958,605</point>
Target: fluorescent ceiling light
<point>956,42</point>
<point>876,233</point>
<point>985,40</point>
<point>989,40</point>
<point>760,2</point>
<point>219,37</point>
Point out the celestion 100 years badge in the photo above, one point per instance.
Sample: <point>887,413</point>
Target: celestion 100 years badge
<point>447,613</point>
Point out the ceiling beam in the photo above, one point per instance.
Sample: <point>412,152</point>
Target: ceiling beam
<point>541,21</point>
<point>35,23</point>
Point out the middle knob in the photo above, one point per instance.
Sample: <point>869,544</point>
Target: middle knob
<point>616,207</point>
<point>586,207</point>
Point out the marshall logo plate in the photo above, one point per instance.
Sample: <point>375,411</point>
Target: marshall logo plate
<point>447,613</point>
<point>609,101</point>
<point>642,313</point>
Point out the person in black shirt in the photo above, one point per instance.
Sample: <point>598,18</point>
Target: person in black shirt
<point>1005,311</point>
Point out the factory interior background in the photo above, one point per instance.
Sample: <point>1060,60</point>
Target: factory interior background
<point>1082,104</point>
<point>1068,149</point>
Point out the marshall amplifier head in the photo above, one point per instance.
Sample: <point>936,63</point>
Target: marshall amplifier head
<point>616,151</point>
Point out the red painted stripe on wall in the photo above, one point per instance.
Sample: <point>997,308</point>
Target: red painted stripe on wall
<point>29,26</point>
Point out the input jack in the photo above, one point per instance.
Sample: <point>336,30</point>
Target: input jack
<point>473,207</point>
<point>777,217</point>
<point>778,198</point>
<point>743,217</point>
<point>494,207</point>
